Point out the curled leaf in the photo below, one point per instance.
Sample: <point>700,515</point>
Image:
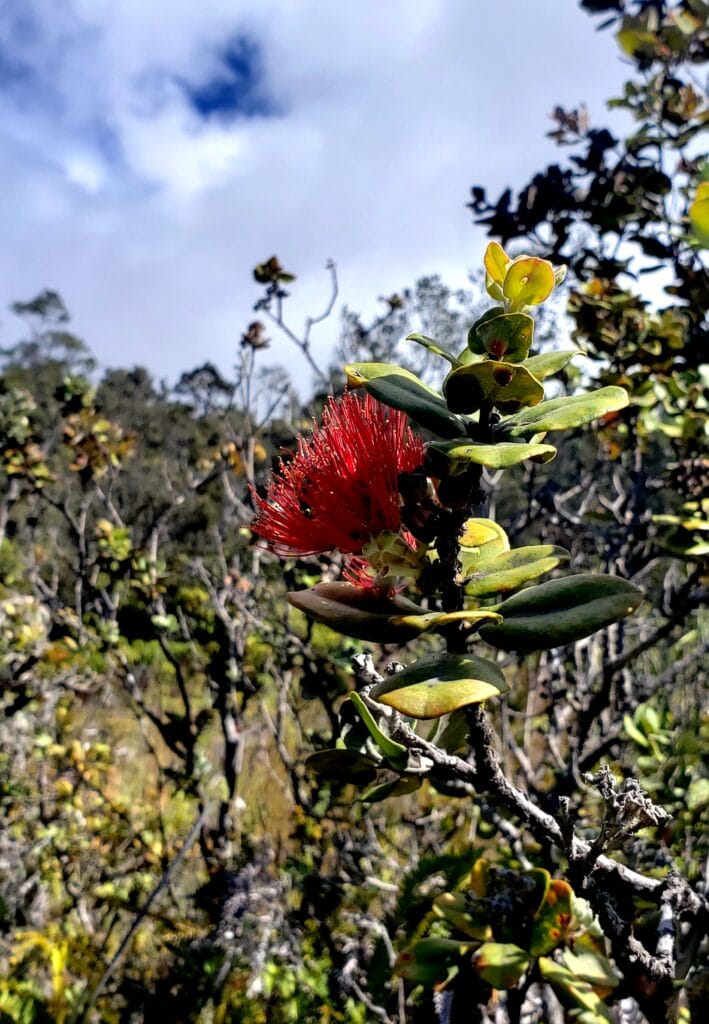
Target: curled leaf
<point>496,262</point>
<point>528,281</point>
<point>395,753</point>
<point>354,611</point>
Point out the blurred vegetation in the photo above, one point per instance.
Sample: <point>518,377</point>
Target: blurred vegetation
<point>166,853</point>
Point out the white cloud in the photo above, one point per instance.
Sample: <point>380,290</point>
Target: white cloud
<point>149,217</point>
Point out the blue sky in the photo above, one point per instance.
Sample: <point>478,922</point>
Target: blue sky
<point>155,150</point>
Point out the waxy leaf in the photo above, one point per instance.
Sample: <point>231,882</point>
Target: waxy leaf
<point>501,964</point>
<point>528,282</point>
<point>342,765</point>
<point>566,413</point>
<point>560,612</point>
<point>506,336</point>
<point>395,753</point>
<point>512,569</point>
<point>546,364</point>
<point>508,386</point>
<point>354,611</point>
<point>400,389</point>
<point>435,621</point>
<point>496,456</point>
<point>360,374</point>
<point>496,262</point>
<point>433,346</point>
<point>440,683</point>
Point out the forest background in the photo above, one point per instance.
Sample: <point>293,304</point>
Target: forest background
<point>167,851</point>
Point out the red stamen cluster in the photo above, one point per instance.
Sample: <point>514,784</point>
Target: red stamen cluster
<point>341,487</point>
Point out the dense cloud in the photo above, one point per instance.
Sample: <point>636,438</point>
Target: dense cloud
<point>155,152</point>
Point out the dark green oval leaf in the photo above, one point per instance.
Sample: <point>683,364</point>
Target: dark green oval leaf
<point>560,612</point>
<point>465,912</point>
<point>395,787</point>
<point>400,389</point>
<point>432,961</point>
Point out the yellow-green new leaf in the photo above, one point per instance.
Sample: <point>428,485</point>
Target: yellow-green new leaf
<point>439,684</point>
<point>431,622</point>
<point>528,282</point>
<point>566,413</point>
<point>699,214</point>
<point>496,262</point>
<point>512,569</point>
<point>396,753</point>
<point>496,456</point>
<point>546,364</point>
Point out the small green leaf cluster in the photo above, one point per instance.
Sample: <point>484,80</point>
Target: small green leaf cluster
<point>503,925</point>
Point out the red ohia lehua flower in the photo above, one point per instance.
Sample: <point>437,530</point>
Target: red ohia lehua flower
<point>340,489</point>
